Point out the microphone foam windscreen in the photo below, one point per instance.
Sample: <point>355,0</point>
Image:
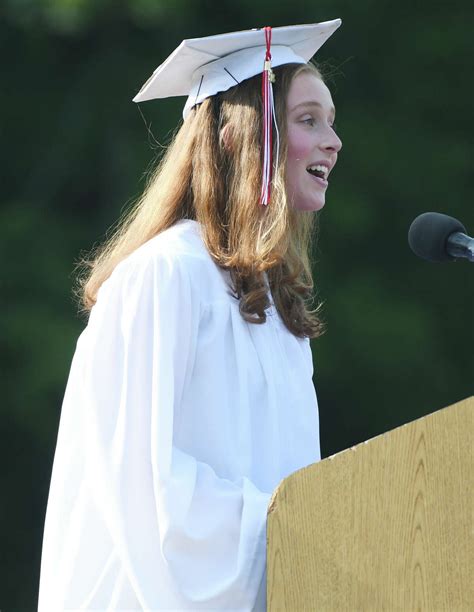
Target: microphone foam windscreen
<point>428,235</point>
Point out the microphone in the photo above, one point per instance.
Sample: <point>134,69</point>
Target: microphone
<point>437,237</point>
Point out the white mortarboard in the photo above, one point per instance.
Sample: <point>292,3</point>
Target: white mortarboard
<point>202,67</point>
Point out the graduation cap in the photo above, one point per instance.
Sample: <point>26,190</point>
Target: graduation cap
<point>202,67</point>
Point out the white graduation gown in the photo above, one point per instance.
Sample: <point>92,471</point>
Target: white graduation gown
<point>178,422</point>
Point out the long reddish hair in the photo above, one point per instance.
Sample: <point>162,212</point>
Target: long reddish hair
<point>201,177</point>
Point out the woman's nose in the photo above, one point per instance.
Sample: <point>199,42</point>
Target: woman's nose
<point>332,142</point>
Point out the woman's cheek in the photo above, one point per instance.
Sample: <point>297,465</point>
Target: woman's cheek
<point>298,145</point>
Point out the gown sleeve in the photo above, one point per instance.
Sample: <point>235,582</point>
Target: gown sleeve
<point>187,538</point>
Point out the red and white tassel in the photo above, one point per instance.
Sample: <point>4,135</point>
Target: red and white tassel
<point>268,118</point>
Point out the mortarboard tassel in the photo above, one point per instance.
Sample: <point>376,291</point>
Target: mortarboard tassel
<point>268,78</point>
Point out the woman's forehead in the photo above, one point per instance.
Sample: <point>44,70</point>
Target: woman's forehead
<point>308,89</point>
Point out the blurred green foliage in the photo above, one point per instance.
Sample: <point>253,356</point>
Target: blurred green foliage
<point>75,152</point>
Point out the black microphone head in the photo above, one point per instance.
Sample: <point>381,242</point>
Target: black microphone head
<point>428,235</point>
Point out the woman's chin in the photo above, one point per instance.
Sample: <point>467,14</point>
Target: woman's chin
<point>310,206</point>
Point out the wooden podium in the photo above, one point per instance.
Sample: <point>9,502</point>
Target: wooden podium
<point>385,525</point>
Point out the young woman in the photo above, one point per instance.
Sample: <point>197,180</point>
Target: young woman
<point>190,395</point>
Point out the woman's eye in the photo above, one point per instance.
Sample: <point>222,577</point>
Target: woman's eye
<point>309,121</point>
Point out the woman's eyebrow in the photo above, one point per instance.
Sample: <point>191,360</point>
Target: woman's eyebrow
<point>332,110</point>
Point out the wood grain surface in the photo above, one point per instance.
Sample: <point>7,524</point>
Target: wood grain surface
<point>385,525</point>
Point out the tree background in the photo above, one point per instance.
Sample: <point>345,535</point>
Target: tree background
<point>75,152</point>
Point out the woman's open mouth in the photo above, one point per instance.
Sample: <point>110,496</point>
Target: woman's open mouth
<point>319,174</point>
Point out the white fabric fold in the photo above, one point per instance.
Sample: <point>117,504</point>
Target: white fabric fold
<point>173,434</point>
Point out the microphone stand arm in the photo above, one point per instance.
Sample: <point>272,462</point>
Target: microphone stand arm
<point>460,245</point>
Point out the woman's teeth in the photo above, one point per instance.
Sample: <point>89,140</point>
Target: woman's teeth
<point>319,170</point>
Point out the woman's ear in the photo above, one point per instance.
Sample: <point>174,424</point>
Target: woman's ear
<point>226,138</point>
